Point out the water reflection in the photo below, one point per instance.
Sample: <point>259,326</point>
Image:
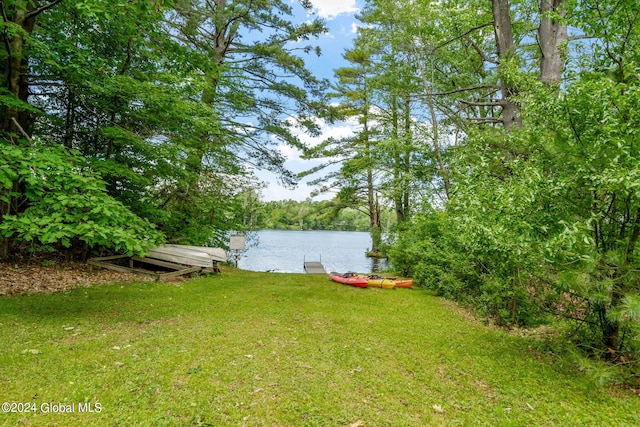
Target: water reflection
<point>378,264</point>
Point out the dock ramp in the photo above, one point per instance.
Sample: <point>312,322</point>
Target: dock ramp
<point>314,267</point>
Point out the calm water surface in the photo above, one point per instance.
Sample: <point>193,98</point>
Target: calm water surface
<point>285,251</point>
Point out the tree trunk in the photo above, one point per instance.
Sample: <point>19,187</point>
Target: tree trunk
<point>611,328</point>
<point>374,215</point>
<point>506,52</point>
<point>397,199</point>
<point>610,335</point>
<point>406,159</point>
<point>376,227</point>
<point>552,35</point>
<point>219,40</point>
<point>15,78</point>
<point>372,201</point>
<point>444,174</point>
<point>16,123</point>
<point>398,168</point>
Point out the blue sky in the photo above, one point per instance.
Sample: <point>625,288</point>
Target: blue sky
<point>340,18</point>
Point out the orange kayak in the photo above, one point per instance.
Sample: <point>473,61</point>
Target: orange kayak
<point>403,283</point>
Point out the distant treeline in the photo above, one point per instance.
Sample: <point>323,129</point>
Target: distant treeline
<point>307,215</point>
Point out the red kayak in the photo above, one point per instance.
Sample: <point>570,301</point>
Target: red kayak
<point>351,279</point>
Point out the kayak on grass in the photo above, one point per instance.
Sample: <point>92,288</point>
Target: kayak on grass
<point>388,282</point>
<point>351,279</point>
<point>381,282</point>
<point>403,283</point>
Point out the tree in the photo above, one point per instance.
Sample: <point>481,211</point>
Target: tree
<point>552,38</point>
<point>252,83</point>
<point>109,90</point>
<point>356,179</point>
<point>394,86</point>
<point>28,214</point>
<point>252,78</point>
<point>18,21</point>
<point>594,164</point>
<point>170,116</point>
<point>544,218</point>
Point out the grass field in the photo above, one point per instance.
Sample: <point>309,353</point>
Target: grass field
<point>261,349</point>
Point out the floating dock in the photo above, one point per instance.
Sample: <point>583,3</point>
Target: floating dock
<point>314,267</point>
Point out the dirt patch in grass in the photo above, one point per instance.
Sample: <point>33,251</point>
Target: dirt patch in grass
<point>46,275</point>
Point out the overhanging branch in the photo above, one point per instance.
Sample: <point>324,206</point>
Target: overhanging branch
<point>463,35</point>
<point>497,103</point>
<point>466,89</point>
<point>479,51</point>
<point>481,120</point>
<point>41,9</point>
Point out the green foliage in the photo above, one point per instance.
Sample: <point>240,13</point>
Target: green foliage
<point>204,214</point>
<point>9,100</point>
<point>165,119</point>
<point>136,118</point>
<point>595,161</point>
<point>452,256</point>
<point>67,204</point>
<point>544,219</point>
<point>252,76</point>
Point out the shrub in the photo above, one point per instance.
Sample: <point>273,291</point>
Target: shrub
<point>66,204</point>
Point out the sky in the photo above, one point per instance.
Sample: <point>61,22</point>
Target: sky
<point>341,22</point>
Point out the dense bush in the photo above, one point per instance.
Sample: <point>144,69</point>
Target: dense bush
<point>65,204</point>
<point>545,219</point>
<point>436,252</point>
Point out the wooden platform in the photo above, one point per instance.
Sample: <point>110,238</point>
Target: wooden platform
<point>178,259</point>
<point>314,267</point>
<point>178,270</point>
<point>216,254</point>
<point>180,256</point>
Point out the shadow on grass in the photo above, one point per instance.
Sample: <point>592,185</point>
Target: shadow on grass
<point>82,303</point>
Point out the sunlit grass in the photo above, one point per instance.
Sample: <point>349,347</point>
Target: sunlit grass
<point>262,349</point>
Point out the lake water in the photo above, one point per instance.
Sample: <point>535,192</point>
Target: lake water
<point>285,251</point>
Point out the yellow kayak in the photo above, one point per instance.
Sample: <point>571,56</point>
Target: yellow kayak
<point>388,282</point>
<point>382,283</point>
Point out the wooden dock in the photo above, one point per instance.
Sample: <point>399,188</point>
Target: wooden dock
<point>314,267</point>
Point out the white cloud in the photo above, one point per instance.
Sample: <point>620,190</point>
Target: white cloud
<point>274,191</point>
<point>342,130</point>
<point>329,9</point>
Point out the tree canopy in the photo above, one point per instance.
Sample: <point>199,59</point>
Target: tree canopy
<point>163,109</point>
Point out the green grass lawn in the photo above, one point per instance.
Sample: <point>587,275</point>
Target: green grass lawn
<point>261,349</point>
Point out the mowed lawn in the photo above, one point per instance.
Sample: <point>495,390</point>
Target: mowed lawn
<point>260,349</point>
